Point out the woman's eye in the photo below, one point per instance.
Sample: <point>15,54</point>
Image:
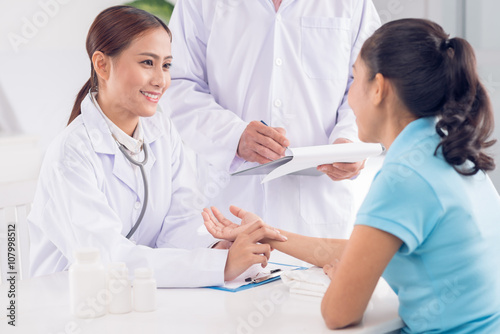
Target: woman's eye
<point>148,62</point>
<point>167,66</point>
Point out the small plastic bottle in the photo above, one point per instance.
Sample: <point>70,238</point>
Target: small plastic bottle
<point>119,287</point>
<point>87,284</point>
<point>144,290</point>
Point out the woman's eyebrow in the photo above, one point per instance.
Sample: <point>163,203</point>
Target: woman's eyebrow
<point>154,56</point>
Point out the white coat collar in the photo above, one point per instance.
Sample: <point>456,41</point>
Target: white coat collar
<point>100,135</point>
<point>103,142</point>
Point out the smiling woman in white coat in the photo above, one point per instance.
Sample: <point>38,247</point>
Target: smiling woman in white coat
<point>90,194</point>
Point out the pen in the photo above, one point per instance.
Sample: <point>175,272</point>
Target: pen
<point>263,278</point>
<point>266,125</point>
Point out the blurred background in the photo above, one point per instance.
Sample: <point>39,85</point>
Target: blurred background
<point>43,62</point>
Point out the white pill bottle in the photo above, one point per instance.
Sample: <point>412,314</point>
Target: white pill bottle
<point>87,284</point>
<point>144,288</point>
<point>119,288</point>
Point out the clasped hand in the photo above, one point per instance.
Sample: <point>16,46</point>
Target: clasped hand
<point>245,250</point>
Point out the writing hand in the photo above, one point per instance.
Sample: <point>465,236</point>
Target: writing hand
<point>261,143</point>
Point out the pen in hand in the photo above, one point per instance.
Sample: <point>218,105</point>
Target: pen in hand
<point>268,125</point>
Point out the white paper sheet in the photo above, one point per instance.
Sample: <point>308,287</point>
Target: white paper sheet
<point>313,156</point>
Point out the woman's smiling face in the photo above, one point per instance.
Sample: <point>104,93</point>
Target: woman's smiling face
<point>140,74</point>
<point>132,83</point>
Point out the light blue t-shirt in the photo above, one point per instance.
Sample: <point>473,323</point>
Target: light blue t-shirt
<point>447,272</point>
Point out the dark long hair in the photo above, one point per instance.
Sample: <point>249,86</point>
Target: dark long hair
<point>112,32</point>
<point>436,76</point>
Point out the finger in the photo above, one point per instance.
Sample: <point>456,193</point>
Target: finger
<point>342,141</point>
<point>220,217</point>
<point>211,227</point>
<point>238,212</point>
<point>256,157</point>
<point>274,134</point>
<point>211,215</point>
<point>207,219</point>
<point>268,147</point>
<point>260,259</point>
<point>213,220</point>
<point>348,167</point>
<point>261,147</point>
<point>252,228</point>
<point>263,249</point>
<point>338,167</point>
<point>281,131</point>
<point>259,232</point>
<point>336,174</point>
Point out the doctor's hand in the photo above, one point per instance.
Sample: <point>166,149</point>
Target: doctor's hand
<point>340,170</point>
<point>222,228</point>
<point>261,143</point>
<point>245,251</point>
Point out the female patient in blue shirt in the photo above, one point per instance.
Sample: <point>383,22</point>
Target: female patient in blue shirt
<point>89,194</point>
<point>430,223</point>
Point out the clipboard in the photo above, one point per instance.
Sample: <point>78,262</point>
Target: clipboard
<point>304,160</point>
<point>261,275</point>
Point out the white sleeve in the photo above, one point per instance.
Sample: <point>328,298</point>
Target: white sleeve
<point>204,125</point>
<point>73,212</point>
<point>364,22</point>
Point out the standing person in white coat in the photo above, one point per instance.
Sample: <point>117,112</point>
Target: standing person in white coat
<point>91,195</point>
<point>286,63</point>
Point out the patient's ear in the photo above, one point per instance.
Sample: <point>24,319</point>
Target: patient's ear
<point>380,88</point>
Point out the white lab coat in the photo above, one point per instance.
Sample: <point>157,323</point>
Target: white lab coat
<point>238,60</point>
<point>90,195</point>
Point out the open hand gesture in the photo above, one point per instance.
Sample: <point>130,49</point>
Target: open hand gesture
<point>222,228</point>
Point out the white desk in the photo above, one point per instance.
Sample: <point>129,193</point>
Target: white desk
<point>43,307</point>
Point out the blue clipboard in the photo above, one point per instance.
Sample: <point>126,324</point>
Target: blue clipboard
<point>239,283</point>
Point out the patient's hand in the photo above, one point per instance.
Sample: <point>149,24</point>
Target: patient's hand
<point>222,228</point>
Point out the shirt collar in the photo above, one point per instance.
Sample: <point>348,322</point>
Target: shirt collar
<point>132,144</point>
<point>415,132</point>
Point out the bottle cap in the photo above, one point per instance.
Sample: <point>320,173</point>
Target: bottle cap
<point>143,273</point>
<point>89,254</point>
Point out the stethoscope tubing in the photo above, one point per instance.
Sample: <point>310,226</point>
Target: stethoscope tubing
<point>141,165</point>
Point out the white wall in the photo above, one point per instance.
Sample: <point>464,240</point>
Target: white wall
<point>43,62</point>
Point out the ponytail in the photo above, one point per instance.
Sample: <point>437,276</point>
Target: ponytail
<point>436,76</point>
<point>466,118</point>
<point>78,101</point>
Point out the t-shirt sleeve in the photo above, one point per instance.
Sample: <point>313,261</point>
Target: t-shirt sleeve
<point>403,203</point>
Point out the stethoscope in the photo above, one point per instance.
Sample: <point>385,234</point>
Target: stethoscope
<point>141,165</point>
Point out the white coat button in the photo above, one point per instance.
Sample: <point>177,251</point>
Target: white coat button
<point>278,62</point>
<point>278,17</point>
<point>277,103</point>
<point>137,205</point>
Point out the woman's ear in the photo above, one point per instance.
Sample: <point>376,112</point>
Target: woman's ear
<point>101,64</point>
<point>379,89</point>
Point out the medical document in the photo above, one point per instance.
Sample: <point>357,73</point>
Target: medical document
<point>256,275</point>
<point>304,160</point>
